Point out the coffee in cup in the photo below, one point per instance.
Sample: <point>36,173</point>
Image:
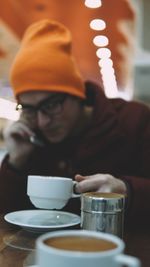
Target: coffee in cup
<point>80,243</point>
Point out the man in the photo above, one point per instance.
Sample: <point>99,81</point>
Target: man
<point>104,144</point>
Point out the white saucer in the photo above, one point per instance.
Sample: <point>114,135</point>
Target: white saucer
<point>42,220</point>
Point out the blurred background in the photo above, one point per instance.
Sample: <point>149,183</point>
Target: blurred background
<point>124,44</point>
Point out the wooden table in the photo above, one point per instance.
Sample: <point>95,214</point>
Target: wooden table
<point>17,246</point>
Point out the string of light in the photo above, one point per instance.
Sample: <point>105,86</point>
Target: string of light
<point>103,53</point>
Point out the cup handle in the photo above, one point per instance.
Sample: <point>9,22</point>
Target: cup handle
<point>128,260</point>
<point>74,194</point>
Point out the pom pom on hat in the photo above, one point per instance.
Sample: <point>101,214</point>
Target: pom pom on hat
<point>45,62</point>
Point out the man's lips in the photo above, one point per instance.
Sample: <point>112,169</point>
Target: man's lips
<point>52,130</point>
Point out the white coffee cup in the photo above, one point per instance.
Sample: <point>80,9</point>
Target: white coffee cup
<point>50,192</point>
<point>82,248</point>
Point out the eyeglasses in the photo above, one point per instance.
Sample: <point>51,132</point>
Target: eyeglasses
<point>50,106</point>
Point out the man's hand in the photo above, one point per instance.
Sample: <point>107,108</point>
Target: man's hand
<point>16,137</point>
<point>100,183</point>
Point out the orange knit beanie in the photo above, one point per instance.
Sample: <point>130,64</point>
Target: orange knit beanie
<point>45,61</point>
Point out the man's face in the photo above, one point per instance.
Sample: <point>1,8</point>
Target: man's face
<point>54,114</point>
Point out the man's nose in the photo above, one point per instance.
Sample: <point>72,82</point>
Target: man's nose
<point>42,119</point>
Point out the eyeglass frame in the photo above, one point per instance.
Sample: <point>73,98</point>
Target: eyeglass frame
<point>57,105</point>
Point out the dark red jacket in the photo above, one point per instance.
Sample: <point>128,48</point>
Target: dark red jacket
<point>116,142</point>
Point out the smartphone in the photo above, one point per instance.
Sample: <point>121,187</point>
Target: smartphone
<point>36,140</point>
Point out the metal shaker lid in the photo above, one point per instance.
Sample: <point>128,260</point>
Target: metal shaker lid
<point>102,202</point>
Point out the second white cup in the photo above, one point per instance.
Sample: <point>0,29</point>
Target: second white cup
<point>80,248</point>
<point>50,192</point>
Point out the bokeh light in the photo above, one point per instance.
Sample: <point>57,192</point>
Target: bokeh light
<point>93,3</point>
<point>98,24</point>
<point>100,40</point>
<point>103,53</point>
